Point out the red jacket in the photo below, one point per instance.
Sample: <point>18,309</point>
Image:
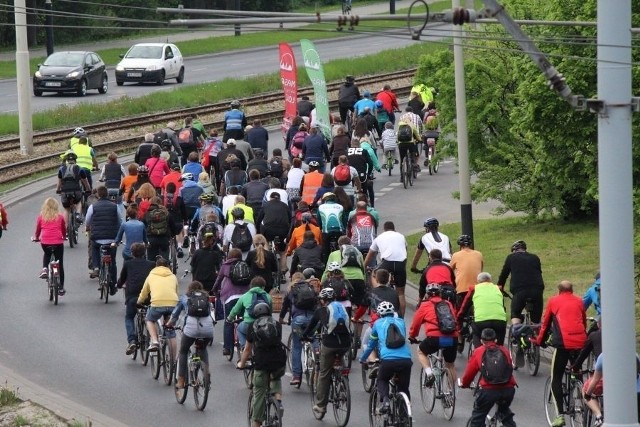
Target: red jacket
<point>426,314</point>
<point>389,100</point>
<point>473,367</point>
<point>567,319</point>
<point>5,218</point>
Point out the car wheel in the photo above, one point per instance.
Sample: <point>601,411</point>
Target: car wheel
<point>37,92</point>
<point>119,83</point>
<point>82,89</point>
<point>105,85</point>
<point>160,81</point>
<point>180,77</point>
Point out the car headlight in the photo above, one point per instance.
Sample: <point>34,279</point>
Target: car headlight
<point>38,74</point>
<point>73,74</point>
<point>152,68</point>
<point>119,68</point>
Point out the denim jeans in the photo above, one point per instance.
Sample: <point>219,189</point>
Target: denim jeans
<point>129,318</point>
<point>227,333</point>
<point>298,325</point>
<point>156,313</point>
<point>95,257</point>
<point>243,330</point>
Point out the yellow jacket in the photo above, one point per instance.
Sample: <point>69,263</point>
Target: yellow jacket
<point>162,285</point>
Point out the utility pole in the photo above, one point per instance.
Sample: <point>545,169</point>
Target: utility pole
<point>23,77</point>
<point>466,215</point>
<point>49,24</point>
<point>236,27</point>
<point>392,7</point>
<point>614,107</point>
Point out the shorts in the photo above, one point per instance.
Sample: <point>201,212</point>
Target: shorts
<point>430,345</point>
<point>519,302</point>
<point>70,197</point>
<point>398,269</point>
<point>155,313</point>
<point>270,235</point>
<point>359,295</point>
<point>597,391</point>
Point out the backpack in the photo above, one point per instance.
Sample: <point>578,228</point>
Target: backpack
<point>198,305</point>
<point>240,273</point>
<point>160,136</point>
<point>298,139</point>
<point>241,237</point>
<point>338,318</point>
<point>69,174</point>
<point>267,332</point>
<point>395,338</point>
<point>304,296</point>
<point>351,257</point>
<point>446,319</point>
<point>275,166</point>
<point>170,201</point>
<point>340,289</point>
<point>208,228</point>
<point>495,368</point>
<point>185,136</point>
<point>342,174</point>
<point>405,134</point>
<point>157,221</point>
<point>257,298</point>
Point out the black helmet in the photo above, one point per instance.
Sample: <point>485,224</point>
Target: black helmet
<point>518,244</point>
<point>433,289</point>
<point>488,334</point>
<point>309,273</point>
<point>166,144</point>
<point>156,150</point>
<point>143,170</point>
<point>237,213</point>
<point>70,156</point>
<point>261,309</point>
<point>349,78</point>
<point>465,240</point>
<point>431,223</point>
<point>235,103</point>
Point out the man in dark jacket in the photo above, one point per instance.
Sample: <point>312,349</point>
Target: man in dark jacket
<point>223,165</point>
<point>305,106</point>
<point>348,95</point>
<point>274,222</point>
<point>258,136</point>
<point>308,255</point>
<point>259,163</point>
<point>253,191</point>
<point>134,273</point>
<point>315,147</point>
<point>143,153</point>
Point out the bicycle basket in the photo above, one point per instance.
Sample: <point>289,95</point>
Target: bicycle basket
<point>276,300</point>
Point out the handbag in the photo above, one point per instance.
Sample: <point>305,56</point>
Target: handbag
<point>218,310</point>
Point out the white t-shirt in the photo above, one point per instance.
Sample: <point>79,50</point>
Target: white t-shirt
<point>391,245</point>
<point>227,202</point>
<point>228,232</point>
<point>284,196</point>
<point>294,178</point>
<point>427,242</point>
<point>349,188</point>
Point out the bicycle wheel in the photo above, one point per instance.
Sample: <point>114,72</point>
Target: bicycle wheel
<point>71,224</point>
<point>403,410</point>
<point>403,173</point>
<point>290,352</point>
<point>173,256</point>
<point>55,287</point>
<point>274,417</point>
<point>427,394</point>
<point>156,363</point>
<point>248,377</point>
<point>513,349</point>
<point>367,382</point>
<point>308,362</point>
<point>389,164</point>
<point>314,387</point>
<point>549,406</point>
<point>409,171</point>
<point>448,400</point>
<point>101,280</point>
<point>577,408</point>
<point>375,419</point>
<point>532,357</point>
<point>181,394</point>
<point>105,285</point>
<point>144,343</point>
<point>50,285</point>
<point>167,363</point>
<point>341,401</point>
<point>201,382</point>
<point>436,165</point>
<point>250,410</point>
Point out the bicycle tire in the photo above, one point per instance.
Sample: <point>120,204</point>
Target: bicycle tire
<point>308,363</point>
<point>375,420</point>
<point>55,288</point>
<point>532,357</point>
<point>436,165</point>
<point>249,409</point>
<point>341,401</point>
<point>173,256</point>
<point>403,410</point>
<point>70,227</point>
<point>181,394</point>
<point>549,406</point>
<point>273,418</point>
<point>513,348</point>
<point>427,394</point>
<point>248,377</point>
<point>134,355</point>
<point>231,351</point>
<point>367,383</point>
<point>167,364</point>
<point>105,285</point>
<point>155,364</point>
<point>290,352</point>
<point>389,164</point>
<point>403,174</point>
<point>101,281</point>
<point>49,285</point>
<point>201,385</point>
<point>448,400</point>
<point>144,343</point>
<point>577,407</point>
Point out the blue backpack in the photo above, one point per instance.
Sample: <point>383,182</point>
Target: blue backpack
<point>338,318</point>
<point>257,298</point>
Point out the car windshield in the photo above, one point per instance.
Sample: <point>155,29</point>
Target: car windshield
<point>146,52</point>
<point>65,59</point>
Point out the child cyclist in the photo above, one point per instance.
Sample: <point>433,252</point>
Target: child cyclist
<point>389,141</point>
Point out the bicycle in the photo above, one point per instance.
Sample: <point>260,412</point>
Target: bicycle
<point>522,343</point>
<point>53,275</point>
<point>199,377</point>
<point>432,160</point>
<point>406,171</point>
<point>73,224</point>
<point>279,275</point>
<point>346,7</point>
<point>339,392</point>
<point>308,357</point>
<point>104,275</point>
<point>399,413</point>
<point>466,332</point>
<point>493,419</point>
<point>574,406</point>
<point>142,334</point>
<point>273,412</point>
<point>390,161</point>
<point>164,358</point>
<point>443,387</point>
<point>193,246</point>
<point>173,254</point>
<point>236,341</point>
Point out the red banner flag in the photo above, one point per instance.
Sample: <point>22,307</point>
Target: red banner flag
<point>289,79</point>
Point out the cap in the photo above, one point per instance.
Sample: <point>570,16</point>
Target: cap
<point>231,141</point>
<point>274,195</point>
<point>366,94</point>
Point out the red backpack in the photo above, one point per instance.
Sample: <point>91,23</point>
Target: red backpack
<point>298,138</point>
<point>342,174</point>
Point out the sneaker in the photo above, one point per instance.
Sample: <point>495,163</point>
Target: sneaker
<point>460,347</point>
<point>44,273</point>
<point>113,290</point>
<point>520,359</point>
<point>429,380</point>
<point>153,346</point>
<point>131,348</point>
<point>426,163</point>
<point>226,351</point>
<point>61,292</point>
<point>598,421</point>
<point>373,374</point>
<point>383,408</point>
<point>94,273</point>
<point>384,166</point>
<point>185,242</point>
<point>558,421</point>
<point>295,381</point>
<point>180,253</point>
<point>319,410</point>
<point>396,161</point>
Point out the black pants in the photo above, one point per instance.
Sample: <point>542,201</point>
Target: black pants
<point>326,243</point>
<point>558,364</point>
<point>343,113</point>
<point>389,368</point>
<point>519,302</point>
<point>485,400</point>
<point>367,188</point>
<point>58,253</point>
<point>158,246</point>
<point>185,344</point>
<point>499,326</point>
<point>407,147</point>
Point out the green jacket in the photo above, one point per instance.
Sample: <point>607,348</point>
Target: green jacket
<point>244,303</point>
<point>350,273</point>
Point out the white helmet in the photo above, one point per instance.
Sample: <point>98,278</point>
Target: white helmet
<point>78,131</point>
<point>186,176</point>
<point>334,266</point>
<point>385,308</point>
<point>326,294</point>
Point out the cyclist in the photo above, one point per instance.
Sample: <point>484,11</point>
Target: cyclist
<point>269,362</point>
<point>487,302</point>
<point>254,190</point>
<point>160,229</point>
<point>259,162</point>
<point>225,156</point>
<point>274,222</point>
<point>86,157</point>
<point>342,288</point>
<point>192,166</point>
<point>311,182</point>
<point>526,281</point>
<point>208,205</point>
<point>263,262</point>
<point>362,228</point>
<point>434,339</point>
<point>275,186</point>
<point>364,102</point>
<point>206,260</point>
<point>467,263</point>
<point>339,145</point>
<point>393,351</point>
<point>141,178</point>
<point>134,273</point>
<point>50,231</point>
<point>194,328</point>
<point>240,203</point>
<point>234,122</point>
<point>169,155</point>
<point>432,239</point>
<point>330,214</point>
<point>389,141</point>
<point>245,304</point>
<point>490,394</point>
<point>565,318</point>
<point>243,239</point>
<point>348,95</point>
<point>335,339</point>
<point>593,387</point>
<point>133,229</point>
<point>592,296</point>
<point>392,247</point>
<point>346,177</point>
<point>161,288</point>
<point>190,193</point>
<point>439,272</point>
<point>103,220</point>
<point>112,174</point>
<point>300,302</point>
<point>72,179</point>
<point>408,137</point>
<point>389,101</point>
<point>315,147</point>
<point>593,345</point>
<point>297,234</point>
<point>76,135</point>
<point>308,255</point>
<point>234,177</point>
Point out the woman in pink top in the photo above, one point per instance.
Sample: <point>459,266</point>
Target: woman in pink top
<point>50,231</point>
<point>157,166</point>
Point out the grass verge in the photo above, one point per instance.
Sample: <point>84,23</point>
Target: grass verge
<point>8,396</point>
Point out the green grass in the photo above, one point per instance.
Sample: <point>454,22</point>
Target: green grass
<point>8,396</point>
<point>189,96</point>
<point>20,421</point>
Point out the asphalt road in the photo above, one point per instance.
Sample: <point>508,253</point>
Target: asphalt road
<point>215,67</point>
<point>76,350</point>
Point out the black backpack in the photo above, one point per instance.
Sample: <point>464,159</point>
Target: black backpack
<point>340,288</point>
<point>241,237</point>
<point>446,320</point>
<point>256,299</point>
<point>240,273</point>
<point>160,136</point>
<point>395,338</point>
<point>198,305</point>
<point>267,332</point>
<point>495,368</point>
<point>275,167</point>
<point>304,297</point>
<point>351,257</point>
<point>405,134</point>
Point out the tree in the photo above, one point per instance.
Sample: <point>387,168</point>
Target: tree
<point>529,149</point>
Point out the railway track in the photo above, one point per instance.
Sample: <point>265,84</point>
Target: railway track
<point>48,161</point>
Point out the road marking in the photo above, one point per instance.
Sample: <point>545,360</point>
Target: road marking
<point>395,184</point>
<point>386,189</point>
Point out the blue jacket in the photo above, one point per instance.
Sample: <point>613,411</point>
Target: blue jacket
<point>592,296</point>
<point>104,221</point>
<point>233,119</point>
<point>379,339</point>
<point>135,231</point>
<point>190,193</point>
<point>193,168</point>
<point>315,147</point>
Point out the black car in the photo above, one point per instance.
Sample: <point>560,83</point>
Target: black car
<point>71,72</point>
